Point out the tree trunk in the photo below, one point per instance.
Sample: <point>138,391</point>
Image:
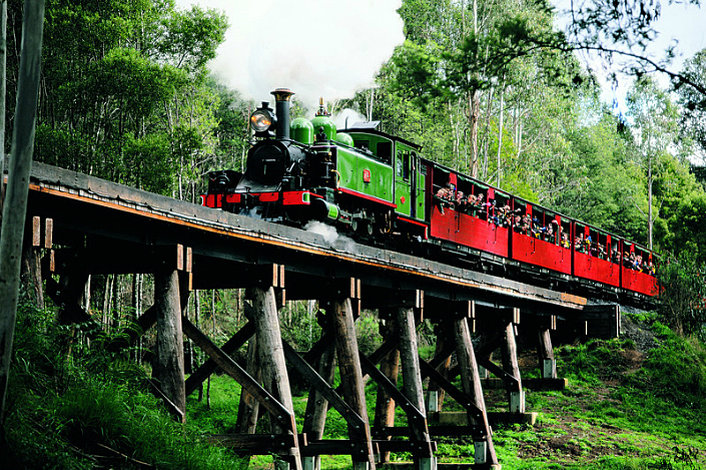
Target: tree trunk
<point>486,141</point>
<point>500,128</point>
<point>3,75</point>
<point>15,209</point>
<point>650,220</point>
<point>473,120</point>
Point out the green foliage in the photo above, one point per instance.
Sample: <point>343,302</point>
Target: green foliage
<point>124,95</point>
<point>63,407</point>
<point>676,371</point>
<point>683,299</point>
<point>594,360</point>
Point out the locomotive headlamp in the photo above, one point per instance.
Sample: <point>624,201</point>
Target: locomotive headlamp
<point>262,120</point>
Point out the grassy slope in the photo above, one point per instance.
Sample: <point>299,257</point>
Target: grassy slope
<point>626,407</point>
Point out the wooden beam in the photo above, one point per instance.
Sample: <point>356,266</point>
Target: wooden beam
<point>317,404</point>
<point>248,406</point>
<point>516,395</point>
<point>412,383</point>
<point>322,387</point>
<point>210,366</point>
<point>352,376</point>
<point>470,378</point>
<point>389,367</point>
<point>545,351</point>
<point>271,352</point>
<point>170,344</point>
<point>230,367</point>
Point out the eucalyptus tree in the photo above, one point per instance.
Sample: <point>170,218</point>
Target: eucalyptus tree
<point>654,118</point>
<point>693,105</point>
<point>124,94</point>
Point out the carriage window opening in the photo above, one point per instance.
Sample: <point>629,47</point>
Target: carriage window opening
<point>406,166</point>
<point>565,231</point>
<point>384,151</point>
<point>362,144</point>
<point>399,163</point>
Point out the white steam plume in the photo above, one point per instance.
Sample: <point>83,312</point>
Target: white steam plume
<point>329,48</point>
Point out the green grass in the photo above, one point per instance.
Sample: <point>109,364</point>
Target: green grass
<point>65,410</point>
<point>623,409</point>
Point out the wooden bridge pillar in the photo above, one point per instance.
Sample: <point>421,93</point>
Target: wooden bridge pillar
<point>389,366</point>
<point>435,392</point>
<point>516,395</point>
<point>317,406</point>
<point>169,370</point>
<point>248,406</point>
<point>352,378</point>
<point>545,349</point>
<point>272,364</point>
<point>483,444</point>
<point>412,383</point>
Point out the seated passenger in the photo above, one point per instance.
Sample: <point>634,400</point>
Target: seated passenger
<point>472,201</point>
<point>600,252</point>
<point>579,244</point>
<point>553,232</point>
<point>565,241</point>
<point>549,233</point>
<point>616,255</point>
<point>518,224</point>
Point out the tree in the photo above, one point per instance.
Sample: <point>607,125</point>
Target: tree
<point>14,211</point>
<point>124,91</point>
<point>693,104</point>
<point>655,125</point>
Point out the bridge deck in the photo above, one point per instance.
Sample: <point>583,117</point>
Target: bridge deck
<point>127,224</point>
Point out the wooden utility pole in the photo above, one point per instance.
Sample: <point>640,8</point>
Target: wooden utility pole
<point>15,207</point>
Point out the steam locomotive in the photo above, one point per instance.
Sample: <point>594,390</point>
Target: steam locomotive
<point>380,190</point>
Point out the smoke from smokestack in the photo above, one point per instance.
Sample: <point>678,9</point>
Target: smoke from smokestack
<point>329,48</point>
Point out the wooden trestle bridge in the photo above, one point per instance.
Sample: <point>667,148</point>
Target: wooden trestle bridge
<point>80,225</point>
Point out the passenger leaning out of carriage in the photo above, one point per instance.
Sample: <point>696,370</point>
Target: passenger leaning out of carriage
<point>650,268</point>
<point>504,216</point>
<point>460,200</point>
<point>479,207</point>
<point>527,224</point>
<point>445,196</point>
<point>600,251</point>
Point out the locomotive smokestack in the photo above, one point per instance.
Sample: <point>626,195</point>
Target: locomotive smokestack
<point>282,97</point>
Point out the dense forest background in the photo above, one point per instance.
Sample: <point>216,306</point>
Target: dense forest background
<point>490,88</point>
